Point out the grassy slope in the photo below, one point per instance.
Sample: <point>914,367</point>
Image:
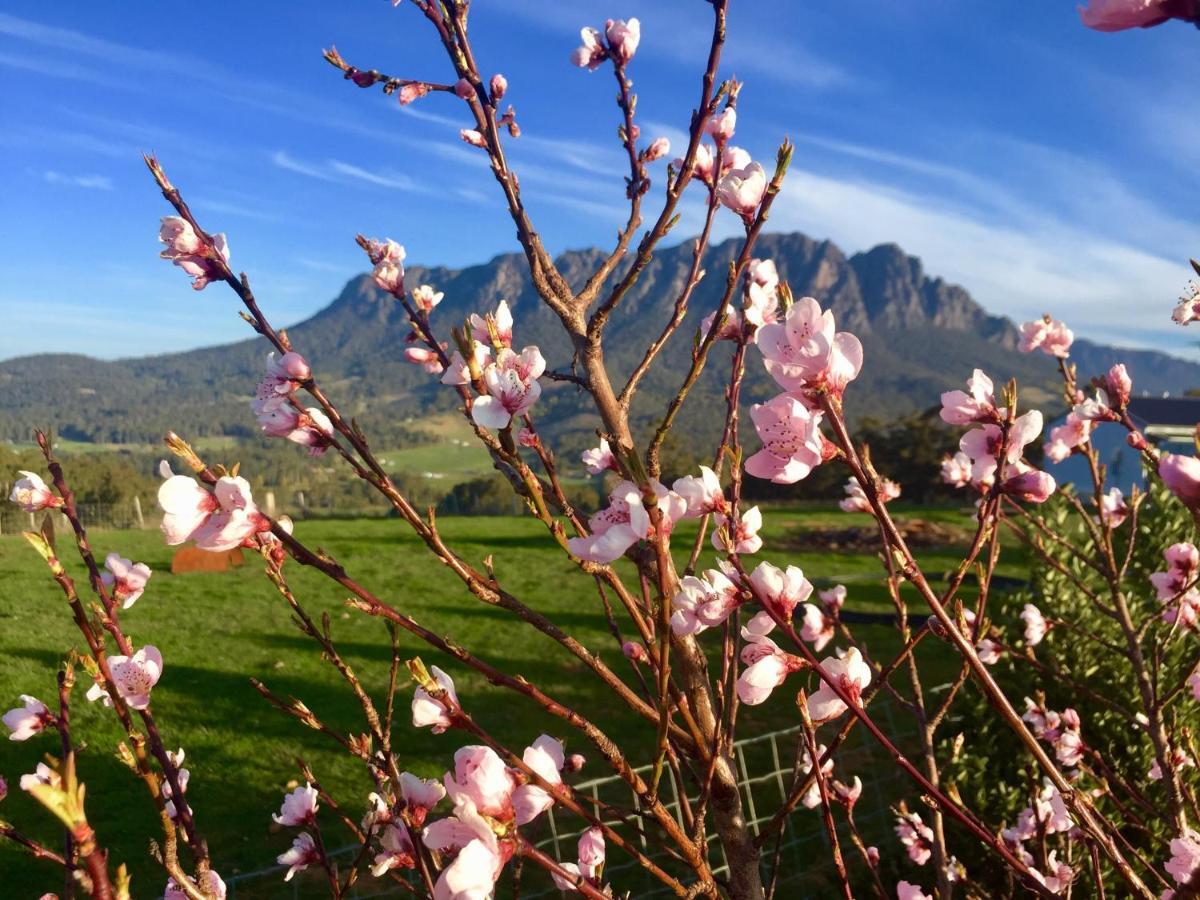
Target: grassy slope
<point>216,631</point>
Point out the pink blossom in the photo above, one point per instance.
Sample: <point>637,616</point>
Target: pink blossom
<point>916,836</point>
<point>501,320</point>
<point>459,371</point>
<point>134,677</point>
<point>425,298</point>
<point>388,259</point>
<point>575,763</point>
<point>428,712</point>
<point>203,261</point>
<point>498,87</point>
<point>850,673</point>
<point>1068,749</point>
<point>956,469</point>
<point>704,602</point>
<point>512,387</point>
<point>1119,385</point>
<point>658,148</point>
<point>590,852</point>
<point>763,273</point>
<point>623,38</point>
<point>816,627</point>
<point>307,427</point>
<point>812,796</point>
<point>1058,876</point>
<point>299,807</point>
<point>411,92</point>
<point>1048,335</point>
<point>1113,508</point>
<point>635,652</point>
<point>805,352</point>
<point>600,459</point>
<point>481,777</point>
<point>299,856</point>
<point>214,888</point>
<point>780,590</point>
<point>767,667</point>
<point>396,850</point>
<point>722,125</point>
<point>856,498</point>
<point>1118,15</point>
<point>463,89</point>
<point>760,306</point>
<point>625,521</point>
<point>847,794</point>
<point>742,190</point>
<point>473,137</point>
<point>43,774</point>
<point>745,538</point>
<point>1188,308</point>
<point>420,796</point>
<point>1074,432</point>
<point>32,494</point>
<point>1179,760</point>
<point>1035,625</point>
<point>908,891</point>
<point>975,405</point>
<point>833,598</point>
<point>1096,409</point>
<point>545,757</point>
<point>791,437</point>
<point>1183,563</point>
<point>1185,857</point>
<point>1194,683</point>
<point>216,521</point>
<point>988,651</point>
<point>592,52</point>
<point>472,875</point>
<point>1181,475</point>
<point>182,775</point>
<point>1029,484</point>
<point>124,579</point>
<point>527,437</point>
<point>703,495</point>
<point>29,719</point>
<point>424,357</point>
<point>983,445</point>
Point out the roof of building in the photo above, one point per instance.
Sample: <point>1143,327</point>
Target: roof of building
<point>1176,411</point>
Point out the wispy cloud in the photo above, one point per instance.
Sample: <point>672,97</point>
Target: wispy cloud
<point>290,164</point>
<point>337,170</point>
<point>389,180</point>
<point>93,182</point>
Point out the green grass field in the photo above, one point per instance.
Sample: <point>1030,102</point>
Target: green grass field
<point>216,631</point>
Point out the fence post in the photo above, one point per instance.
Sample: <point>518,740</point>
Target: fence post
<point>137,511</point>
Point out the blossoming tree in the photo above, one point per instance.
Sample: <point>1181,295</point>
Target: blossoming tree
<point>709,629</point>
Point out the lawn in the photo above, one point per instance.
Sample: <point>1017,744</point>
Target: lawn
<point>216,631</point>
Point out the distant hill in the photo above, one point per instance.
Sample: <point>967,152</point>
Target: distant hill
<point>922,335</point>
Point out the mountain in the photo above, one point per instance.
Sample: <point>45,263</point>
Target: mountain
<point>921,336</point>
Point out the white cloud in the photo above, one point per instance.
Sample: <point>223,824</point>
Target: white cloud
<point>92,182</point>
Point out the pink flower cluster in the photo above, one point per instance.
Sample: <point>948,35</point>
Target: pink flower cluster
<point>915,835</point>
<point>760,305</point>
<point>1060,731</point>
<point>215,520</point>
<point>856,499</point>
<point>590,856</point>
<point>279,415</point>
<point>1177,587</point>
<point>619,42</point>
<point>387,257</point>
<point>1048,335</point>
<point>204,260</point>
<point>625,521</point>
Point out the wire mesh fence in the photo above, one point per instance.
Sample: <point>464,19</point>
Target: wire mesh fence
<point>766,770</point>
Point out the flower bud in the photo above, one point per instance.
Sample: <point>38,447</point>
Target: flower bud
<point>1119,385</point>
<point>498,86</point>
<point>463,89</point>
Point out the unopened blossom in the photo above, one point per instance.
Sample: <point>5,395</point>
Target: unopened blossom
<point>182,776</point>
<point>42,775</point>
<point>1184,863</point>
<point>856,499</point>
<point>1113,508</point>
<point>396,850</point>
<point>31,718</point>
<point>791,436</point>
<point>906,890</point>
<point>625,521</point>
<point>285,374</point>
<point>658,148</point>
<point>216,521</point>
<point>1074,432</point>
<point>811,798</point>
<point>424,357</point>
<point>635,652</point>
<point>742,537</point>
<point>1119,385</point>
<point>988,651</point>
<point>703,494</point>
<point>203,261</point>
<point>473,137</point>
<point>1036,625</point>
<point>1119,15</point>
<point>916,836</point>
<point>410,92</point>
<point>214,888</point>
<point>956,469</point>
<point>805,352</point>
<point>742,190</point>
<point>1181,475</point>
<point>833,598</point>
<point>420,796</point>
<point>545,757</point>
<point>780,590</point>
<point>1188,308</point>
<point>590,853</point>
<point>592,52</point>
<point>32,494</point>
<point>134,677</point>
<point>501,323</point>
<point>463,89</point>
<point>722,125</point>
<point>975,405</point>
<point>1048,335</point>
<point>512,387</point>
<point>767,667</point>
<point>425,298</point>
<point>600,459</point>
<point>575,763</point>
<point>432,713</point>
<point>851,673</point>
<point>299,807</point>
<point>816,627</point>
<point>498,87</point>
<point>527,437</point>
<point>623,38</point>
<point>1029,484</point>
<point>702,603</point>
<point>299,856</point>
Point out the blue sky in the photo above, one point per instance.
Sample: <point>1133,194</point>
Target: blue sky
<point>1041,165</point>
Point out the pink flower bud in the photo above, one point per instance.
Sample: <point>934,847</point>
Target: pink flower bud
<point>411,92</point>
<point>635,652</point>
<point>592,51</point>
<point>1181,475</point>
<point>575,762</point>
<point>463,89</point>
<point>361,78</point>
<point>721,127</point>
<point>498,86</point>
<point>659,148</point>
<point>1136,440</point>
<point>1118,15</point>
<point>474,138</point>
<point>1119,385</point>
<point>527,437</point>
<point>623,38</point>
<point>742,190</point>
